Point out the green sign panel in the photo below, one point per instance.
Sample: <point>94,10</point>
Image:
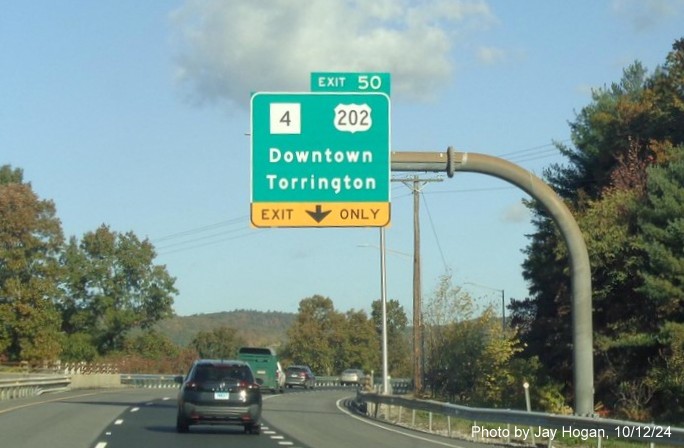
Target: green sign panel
<point>320,149</point>
<point>350,82</point>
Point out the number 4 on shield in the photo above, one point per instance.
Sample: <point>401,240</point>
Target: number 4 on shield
<point>285,118</point>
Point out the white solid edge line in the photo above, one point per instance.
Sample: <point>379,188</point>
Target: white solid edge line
<point>377,425</point>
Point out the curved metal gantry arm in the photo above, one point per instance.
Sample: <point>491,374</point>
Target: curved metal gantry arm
<point>451,162</point>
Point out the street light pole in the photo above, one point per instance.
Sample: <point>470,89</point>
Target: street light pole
<point>503,312</point>
<point>383,299</point>
<point>383,295</point>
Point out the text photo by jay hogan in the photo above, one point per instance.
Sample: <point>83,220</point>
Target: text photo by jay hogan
<point>538,432</point>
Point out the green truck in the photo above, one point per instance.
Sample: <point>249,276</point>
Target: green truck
<point>264,362</point>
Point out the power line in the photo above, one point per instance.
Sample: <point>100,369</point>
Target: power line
<point>532,149</point>
<point>471,190</point>
<point>534,152</point>
<point>210,243</point>
<point>196,237</point>
<point>434,232</point>
<point>201,238</point>
<point>200,229</point>
<point>526,150</point>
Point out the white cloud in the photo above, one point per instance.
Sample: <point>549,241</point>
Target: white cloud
<point>490,55</point>
<point>227,49</point>
<point>516,213</point>
<point>646,15</point>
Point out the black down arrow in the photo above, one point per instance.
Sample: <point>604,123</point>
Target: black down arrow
<point>319,215</point>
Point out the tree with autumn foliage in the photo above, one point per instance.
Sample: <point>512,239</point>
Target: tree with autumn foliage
<point>469,359</point>
<point>30,244</point>
<point>77,300</point>
<point>623,183</point>
<point>315,335</point>
<point>330,341</point>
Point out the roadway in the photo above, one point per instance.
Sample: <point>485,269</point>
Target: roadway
<point>131,418</point>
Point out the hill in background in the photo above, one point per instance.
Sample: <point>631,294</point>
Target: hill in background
<point>259,328</point>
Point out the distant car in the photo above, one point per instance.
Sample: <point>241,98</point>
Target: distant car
<point>219,392</point>
<point>352,376</point>
<point>301,376</point>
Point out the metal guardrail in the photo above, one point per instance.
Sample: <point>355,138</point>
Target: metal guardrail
<point>164,381</point>
<point>19,387</point>
<point>399,386</point>
<point>150,381</point>
<point>169,381</point>
<point>564,425</point>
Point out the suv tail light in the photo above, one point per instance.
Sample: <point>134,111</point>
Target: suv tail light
<point>191,385</point>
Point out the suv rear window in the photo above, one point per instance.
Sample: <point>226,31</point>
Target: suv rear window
<point>221,372</point>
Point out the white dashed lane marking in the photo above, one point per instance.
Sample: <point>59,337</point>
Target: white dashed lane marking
<point>274,436</point>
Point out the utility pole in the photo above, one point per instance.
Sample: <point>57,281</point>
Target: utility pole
<point>416,184</point>
<point>417,298</point>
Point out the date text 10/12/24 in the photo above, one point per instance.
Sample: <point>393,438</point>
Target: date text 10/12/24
<point>528,433</point>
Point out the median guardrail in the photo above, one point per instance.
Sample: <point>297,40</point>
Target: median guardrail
<point>29,385</point>
<point>18,387</point>
<point>526,425</point>
<point>398,386</point>
<point>150,381</point>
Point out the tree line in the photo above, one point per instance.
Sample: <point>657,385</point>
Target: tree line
<point>330,341</point>
<point>72,299</point>
<point>624,182</point>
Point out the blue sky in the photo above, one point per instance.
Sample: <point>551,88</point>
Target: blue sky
<point>134,114</point>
